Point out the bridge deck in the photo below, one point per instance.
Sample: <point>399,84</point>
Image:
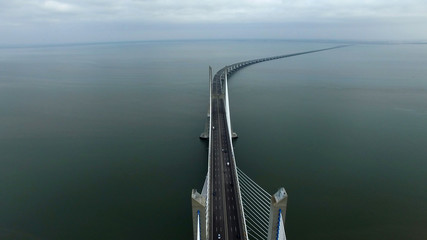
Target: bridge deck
<point>225,221</point>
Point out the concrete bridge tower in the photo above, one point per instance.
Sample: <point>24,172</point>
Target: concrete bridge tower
<point>276,226</point>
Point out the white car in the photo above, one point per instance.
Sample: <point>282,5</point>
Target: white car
<point>228,163</point>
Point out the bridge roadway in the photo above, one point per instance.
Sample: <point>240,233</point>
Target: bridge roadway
<point>225,218</point>
<point>226,221</point>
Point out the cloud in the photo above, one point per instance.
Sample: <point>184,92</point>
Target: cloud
<point>58,6</point>
<point>40,15</point>
<point>217,11</point>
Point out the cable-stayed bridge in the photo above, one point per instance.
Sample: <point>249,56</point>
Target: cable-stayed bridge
<point>231,205</point>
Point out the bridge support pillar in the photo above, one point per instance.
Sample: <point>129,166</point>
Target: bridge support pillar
<point>198,205</point>
<point>205,133</point>
<point>276,229</point>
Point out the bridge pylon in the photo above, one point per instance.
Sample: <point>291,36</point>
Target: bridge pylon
<point>198,205</point>
<point>276,226</point>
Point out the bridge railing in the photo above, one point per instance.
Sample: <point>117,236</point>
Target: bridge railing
<point>209,155</point>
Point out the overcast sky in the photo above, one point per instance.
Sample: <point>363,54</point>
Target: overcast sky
<point>61,21</point>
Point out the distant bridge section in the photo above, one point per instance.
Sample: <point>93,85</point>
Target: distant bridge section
<point>233,68</point>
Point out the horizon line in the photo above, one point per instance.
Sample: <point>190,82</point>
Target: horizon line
<point>85,43</point>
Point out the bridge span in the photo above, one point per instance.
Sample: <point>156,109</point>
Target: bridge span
<point>232,206</point>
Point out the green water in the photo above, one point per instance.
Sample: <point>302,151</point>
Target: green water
<point>101,141</point>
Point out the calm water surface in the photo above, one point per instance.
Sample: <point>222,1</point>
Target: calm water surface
<point>101,141</point>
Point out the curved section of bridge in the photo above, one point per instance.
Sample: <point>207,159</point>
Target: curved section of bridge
<point>238,66</point>
<point>220,204</point>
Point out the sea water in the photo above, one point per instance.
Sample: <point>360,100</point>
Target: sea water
<point>100,141</point>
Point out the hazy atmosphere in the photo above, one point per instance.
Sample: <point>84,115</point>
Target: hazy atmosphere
<point>28,22</point>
